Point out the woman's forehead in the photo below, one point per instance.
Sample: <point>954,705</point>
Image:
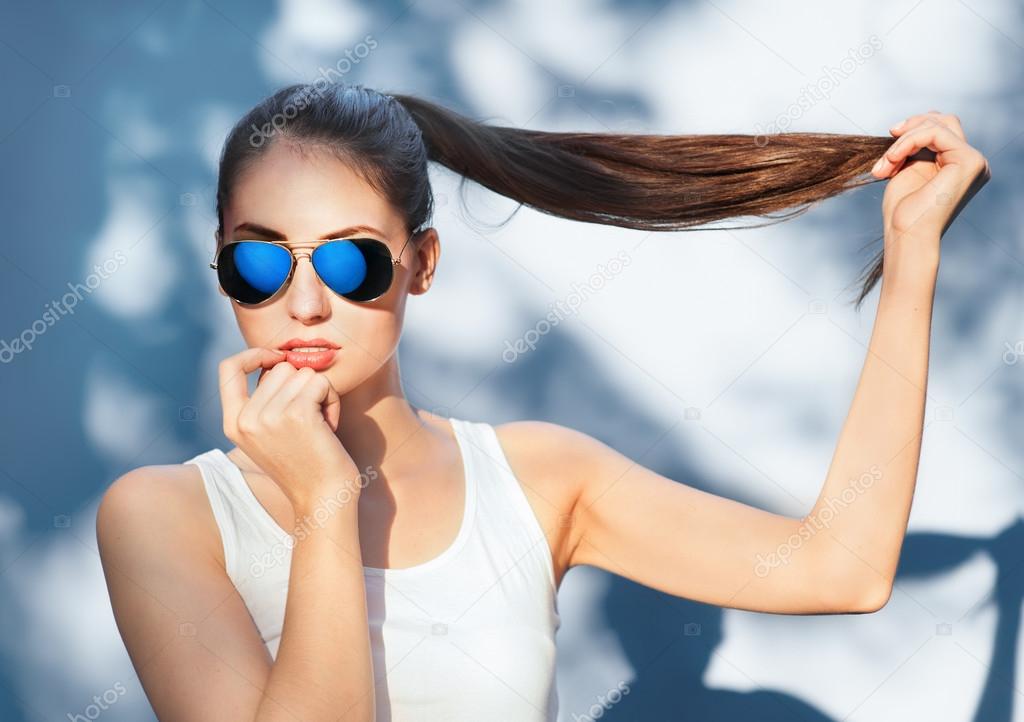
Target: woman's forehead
<point>308,197</point>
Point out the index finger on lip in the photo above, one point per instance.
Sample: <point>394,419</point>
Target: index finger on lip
<point>233,374</point>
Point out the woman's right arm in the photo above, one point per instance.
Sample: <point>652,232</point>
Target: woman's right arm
<point>189,635</point>
<point>324,667</point>
<point>188,632</point>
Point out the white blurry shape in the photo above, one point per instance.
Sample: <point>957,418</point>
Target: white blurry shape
<point>968,469</point>
<point>132,123</point>
<point>477,298</point>
<point>214,121</point>
<point>667,63</point>
<point>537,30</point>
<point>133,231</point>
<point>121,420</point>
<point>761,435</point>
<point>309,36</point>
<point>466,314</point>
<point>916,56</point>
<point>763,63</point>
<point>776,651</point>
<point>68,648</point>
<point>498,78</point>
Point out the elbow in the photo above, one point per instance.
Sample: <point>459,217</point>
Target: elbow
<point>846,585</point>
<point>871,598</point>
<point>846,590</point>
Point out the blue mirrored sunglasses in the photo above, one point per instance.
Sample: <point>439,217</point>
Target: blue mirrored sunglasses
<point>358,269</point>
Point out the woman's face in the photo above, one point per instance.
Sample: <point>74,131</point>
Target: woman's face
<point>297,199</point>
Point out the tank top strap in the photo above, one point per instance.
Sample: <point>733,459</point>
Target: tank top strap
<point>222,503</point>
<point>504,511</point>
<point>242,521</point>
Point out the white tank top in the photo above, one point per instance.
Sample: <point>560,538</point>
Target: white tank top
<point>467,635</point>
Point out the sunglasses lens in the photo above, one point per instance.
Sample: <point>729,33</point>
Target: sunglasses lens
<point>252,272</point>
<point>359,269</point>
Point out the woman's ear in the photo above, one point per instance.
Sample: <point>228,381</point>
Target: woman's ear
<point>428,252</point>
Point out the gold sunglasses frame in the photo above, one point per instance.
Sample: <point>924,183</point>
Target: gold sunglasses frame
<point>296,254</point>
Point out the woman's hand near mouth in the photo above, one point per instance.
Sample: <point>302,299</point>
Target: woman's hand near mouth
<point>288,425</point>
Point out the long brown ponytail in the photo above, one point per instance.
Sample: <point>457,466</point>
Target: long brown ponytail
<point>646,182</point>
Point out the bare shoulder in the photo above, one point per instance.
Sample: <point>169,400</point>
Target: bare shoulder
<point>157,505</point>
<point>556,460</point>
<point>182,620</point>
<point>546,445</point>
<point>552,463</point>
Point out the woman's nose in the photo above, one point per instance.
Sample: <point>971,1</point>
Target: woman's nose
<point>307,295</point>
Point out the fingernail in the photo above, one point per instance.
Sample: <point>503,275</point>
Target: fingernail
<point>898,125</point>
<point>877,165</point>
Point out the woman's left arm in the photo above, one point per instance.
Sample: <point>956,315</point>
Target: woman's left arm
<point>842,555</point>
<point>876,460</point>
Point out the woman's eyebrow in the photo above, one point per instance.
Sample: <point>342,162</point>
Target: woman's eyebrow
<point>278,236</point>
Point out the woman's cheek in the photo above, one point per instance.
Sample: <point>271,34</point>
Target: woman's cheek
<point>258,328</point>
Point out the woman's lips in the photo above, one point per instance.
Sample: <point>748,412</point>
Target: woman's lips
<point>316,360</point>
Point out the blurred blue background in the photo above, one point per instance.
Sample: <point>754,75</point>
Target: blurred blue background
<point>723,359</point>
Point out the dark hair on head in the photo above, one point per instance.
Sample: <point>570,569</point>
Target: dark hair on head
<point>368,130</point>
<point>646,182</point>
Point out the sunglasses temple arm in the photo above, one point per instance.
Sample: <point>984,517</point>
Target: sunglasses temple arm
<point>398,260</point>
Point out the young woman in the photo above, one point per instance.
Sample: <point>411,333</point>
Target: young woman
<point>356,558</point>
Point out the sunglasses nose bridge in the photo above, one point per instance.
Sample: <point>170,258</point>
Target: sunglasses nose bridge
<point>306,295</point>
<point>298,255</point>
<point>308,255</point>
